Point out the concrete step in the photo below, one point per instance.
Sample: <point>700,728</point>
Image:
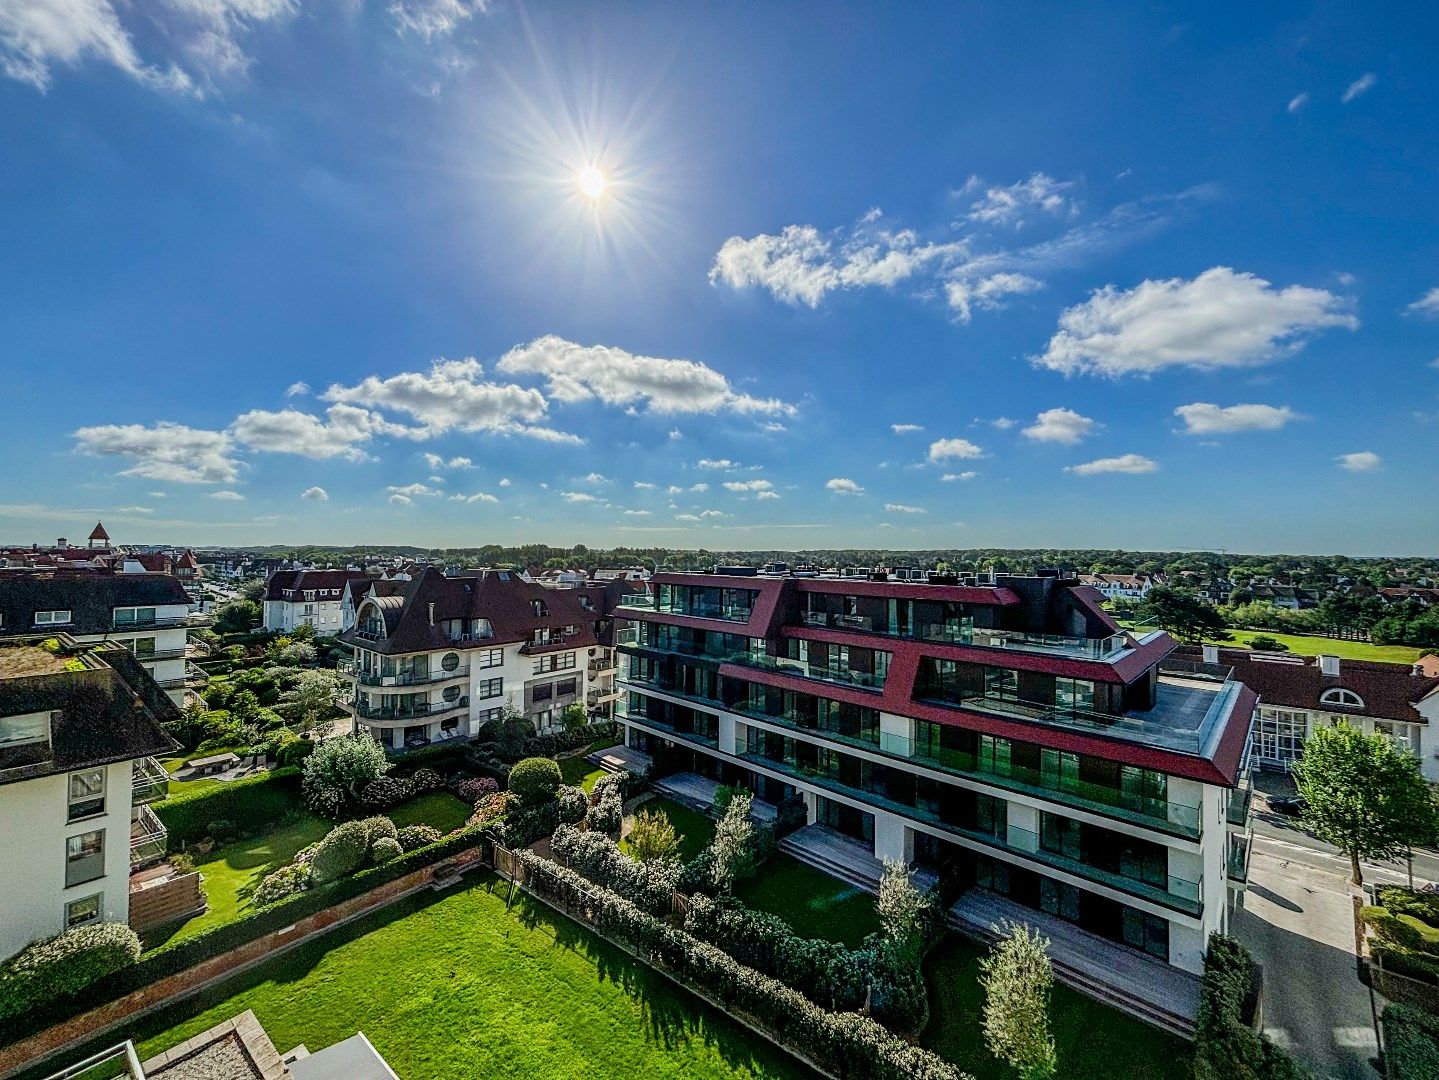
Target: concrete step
<point>832,867</point>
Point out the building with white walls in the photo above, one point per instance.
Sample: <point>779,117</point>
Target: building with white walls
<point>295,598</point>
<point>78,730</point>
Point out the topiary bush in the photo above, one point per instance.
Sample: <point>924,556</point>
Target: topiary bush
<point>424,779</point>
<point>535,780</point>
<point>341,852</point>
<point>384,849</point>
<point>417,836</point>
<point>64,964</point>
<point>281,884</point>
<point>574,804</point>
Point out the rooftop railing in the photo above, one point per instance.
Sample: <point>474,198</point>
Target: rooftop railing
<point>960,632</point>
<point>115,1063</point>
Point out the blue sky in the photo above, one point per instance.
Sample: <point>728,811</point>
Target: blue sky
<point>976,275</point>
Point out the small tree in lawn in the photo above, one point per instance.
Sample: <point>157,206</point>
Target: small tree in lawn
<point>1017,978</point>
<point>313,698</point>
<point>653,837</point>
<point>1183,614</point>
<point>339,770</point>
<point>1363,794</point>
<point>901,909</point>
<point>733,843</point>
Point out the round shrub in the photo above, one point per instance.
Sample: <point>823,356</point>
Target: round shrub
<point>386,791</point>
<point>284,882</point>
<point>379,828</point>
<point>341,852</point>
<point>64,964</point>
<point>493,807</point>
<point>472,791</point>
<point>385,849</point>
<point>574,804</point>
<point>417,836</point>
<point>535,780</point>
<point>426,780</point>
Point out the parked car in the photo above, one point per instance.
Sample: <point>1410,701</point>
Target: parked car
<point>1288,805</point>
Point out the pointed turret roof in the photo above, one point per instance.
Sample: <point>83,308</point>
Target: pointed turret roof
<point>99,533</point>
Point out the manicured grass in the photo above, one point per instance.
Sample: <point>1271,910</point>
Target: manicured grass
<point>813,903</point>
<point>696,830</point>
<point>1093,1041</point>
<point>444,811</point>
<point>577,772</point>
<point>1308,645</point>
<point>453,987</point>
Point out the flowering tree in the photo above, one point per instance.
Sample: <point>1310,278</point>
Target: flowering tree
<point>733,843</point>
<point>1017,978</point>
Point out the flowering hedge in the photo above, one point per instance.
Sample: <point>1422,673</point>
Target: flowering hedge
<point>848,1044</point>
<point>595,856</point>
<point>64,964</point>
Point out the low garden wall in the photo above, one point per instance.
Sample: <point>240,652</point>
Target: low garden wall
<point>88,1025</point>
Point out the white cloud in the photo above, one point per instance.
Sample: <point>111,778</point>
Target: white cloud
<point>505,482</point>
<point>409,491</point>
<point>1204,418</point>
<point>400,500</point>
<point>767,495</point>
<point>1004,423</point>
<point>227,496</point>
<point>139,509</point>
<point>699,487</point>
<point>597,478</point>
<point>1124,463</point>
<point>315,494</point>
<point>1298,101</point>
<point>616,377</point>
<point>716,463</point>
<point>905,429</point>
<point>841,485</point>
<point>578,497</point>
<point>295,432</point>
<point>950,449</point>
<point>1428,304</point>
<point>1010,205</point>
<point>1061,426</point>
<point>434,18</point>
<point>1220,319</point>
<point>452,395</point>
<point>1361,85</point>
<point>676,434</point>
<point>986,293</point>
<point>638,513</point>
<point>748,485</point>
<point>1359,461</point>
<point>437,461</point>
<point>713,514</point>
<point>477,497</point>
<point>900,508</point>
<point>297,389</point>
<point>164,451</point>
<point>644,485</point>
<point>950,477</point>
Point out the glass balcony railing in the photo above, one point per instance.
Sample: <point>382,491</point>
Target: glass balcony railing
<point>409,713</point>
<point>148,836</point>
<point>150,782</point>
<point>726,612</point>
<point>961,632</point>
<point>785,666</point>
<point>1237,859</point>
<point>411,678</point>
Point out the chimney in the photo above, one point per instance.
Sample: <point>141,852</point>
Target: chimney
<point>1211,654</point>
<point>1329,665</point>
<point>432,614</point>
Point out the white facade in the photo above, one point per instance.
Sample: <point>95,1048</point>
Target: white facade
<point>51,874</point>
<point>1281,731</point>
<point>321,612</point>
<point>159,637</point>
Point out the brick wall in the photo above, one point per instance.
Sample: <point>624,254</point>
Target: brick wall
<point>90,1025</point>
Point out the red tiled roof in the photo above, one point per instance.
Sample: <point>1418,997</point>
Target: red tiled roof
<point>98,532</point>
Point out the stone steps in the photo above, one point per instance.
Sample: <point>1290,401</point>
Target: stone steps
<point>831,866</point>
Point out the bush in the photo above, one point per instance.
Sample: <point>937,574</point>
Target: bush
<point>1411,1043</point>
<point>472,791</point>
<point>64,964</point>
<point>417,836</point>
<point>535,780</point>
<point>220,830</point>
<point>423,780</point>
<point>1225,1045</point>
<point>573,804</point>
<point>527,824</point>
<point>492,808</point>
<point>598,858</point>
<point>281,884</point>
<point>339,770</point>
<point>608,812</point>
<point>1265,643</point>
<point>293,752</point>
<point>385,792</point>
<point>384,849</point>
<point>341,852</point>
<point>256,803</point>
<point>653,837</point>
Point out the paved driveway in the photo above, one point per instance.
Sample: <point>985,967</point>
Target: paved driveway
<point>1298,922</point>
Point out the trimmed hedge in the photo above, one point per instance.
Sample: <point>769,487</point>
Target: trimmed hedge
<point>1226,1047</point>
<point>848,1044</point>
<point>1411,1043</point>
<point>256,801</point>
<point>180,955</point>
<point>64,964</point>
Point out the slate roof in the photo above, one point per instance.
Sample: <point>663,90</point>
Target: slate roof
<point>1389,691</point>
<point>278,583</point>
<point>90,595</point>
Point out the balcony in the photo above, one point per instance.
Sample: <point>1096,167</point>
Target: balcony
<point>668,731</point>
<point>150,782</point>
<point>723,612</point>
<point>408,678</point>
<point>162,622</point>
<point>554,641</point>
<point>1236,863</point>
<point>417,713</point>
<point>602,696</point>
<point>1240,799</point>
<point>781,665</point>
<point>959,632</point>
<point>147,837</point>
<point>604,665</point>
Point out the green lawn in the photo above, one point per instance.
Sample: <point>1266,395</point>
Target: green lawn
<point>232,872</point>
<point>696,830</point>
<point>1093,1041</point>
<point>577,772</point>
<point>813,903</point>
<point>453,987</point>
<point>1308,645</point>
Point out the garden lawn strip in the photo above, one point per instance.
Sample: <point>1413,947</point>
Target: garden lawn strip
<point>695,830</point>
<point>813,903</point>
<point>444,811</point>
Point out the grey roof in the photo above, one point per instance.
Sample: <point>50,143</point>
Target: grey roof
<point>90,596</point>
<point>350,1059</point>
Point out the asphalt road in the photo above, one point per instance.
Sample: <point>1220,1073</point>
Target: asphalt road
<point>1283,838</point>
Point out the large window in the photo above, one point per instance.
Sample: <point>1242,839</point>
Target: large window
<point>488,688</point>
<point>86,910</point>
<point>554,662</point>
<point>1002,683</point>
<point>543,692</point>
<point>84,858</point>
<point>59,617</point>
<point>1279,735</point>
<point>489,658</point>
<point>132,615</point>
<point>87,794</point>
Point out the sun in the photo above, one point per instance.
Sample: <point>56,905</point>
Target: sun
<point>592,182</point>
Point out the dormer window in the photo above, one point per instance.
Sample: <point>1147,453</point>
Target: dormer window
<point>1345,699</point>
<point>540,608</point>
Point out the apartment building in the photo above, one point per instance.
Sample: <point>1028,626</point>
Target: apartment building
<point>1119,586</point>
<point>148,614</point>
<point>1299,694</point>
<point>436,657</point>
<point>78,728</point>
<point>1007,733</point>
<point>295,598</point>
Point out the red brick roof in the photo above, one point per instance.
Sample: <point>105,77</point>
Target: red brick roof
<point>99,533</point>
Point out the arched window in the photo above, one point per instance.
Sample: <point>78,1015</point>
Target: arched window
<point>1345,699</point>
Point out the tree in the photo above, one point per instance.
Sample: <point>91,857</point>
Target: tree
<point>1183,614</point>
<point>653,838</point>
<point>901,909</point>
<point>573,716</point>
<point>1017,979</point>
<point>338,771</point>
<point>535,780</point>
<point>1363,794</point>
<point>313,698</point>
<point>733,843</point>
<point>237,617</point>
<point>253,591</point>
